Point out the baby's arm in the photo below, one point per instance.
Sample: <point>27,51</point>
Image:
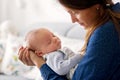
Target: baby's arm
<point>61,65</point>
<point>68,52</point>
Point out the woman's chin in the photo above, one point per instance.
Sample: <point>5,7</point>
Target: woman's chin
<point>83,26</point>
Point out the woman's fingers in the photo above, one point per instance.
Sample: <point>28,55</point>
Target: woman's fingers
<point>20,49</point>
<point>24,56</point>
<point>29,58</point>
<point>20,53</point>
<point>30,63</point>
<point>24,59</point>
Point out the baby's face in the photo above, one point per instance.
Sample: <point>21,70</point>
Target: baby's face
<point>49,42</point>
<point>44,41</point>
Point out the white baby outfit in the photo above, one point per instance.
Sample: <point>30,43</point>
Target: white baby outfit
<point>63,61</point>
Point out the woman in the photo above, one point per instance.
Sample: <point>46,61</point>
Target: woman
<point>101,19</point>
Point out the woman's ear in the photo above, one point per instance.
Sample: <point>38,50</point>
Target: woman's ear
<point>99,9</point>
<point>39,53</point>
<point>97,6</point>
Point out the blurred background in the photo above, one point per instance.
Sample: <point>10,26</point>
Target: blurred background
<point>26,12</point>
<point>19,16</point>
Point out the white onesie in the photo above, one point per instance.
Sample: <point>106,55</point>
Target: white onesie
<point>63,61</point>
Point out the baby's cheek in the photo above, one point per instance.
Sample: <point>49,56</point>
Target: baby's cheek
<point>53,48</point>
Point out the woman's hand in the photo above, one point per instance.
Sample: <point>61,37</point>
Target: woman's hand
<point>24,56</point>
<point>29,58</point>
<point>37,60</point>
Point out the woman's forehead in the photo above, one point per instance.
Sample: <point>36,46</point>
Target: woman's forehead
<point>69,10</point>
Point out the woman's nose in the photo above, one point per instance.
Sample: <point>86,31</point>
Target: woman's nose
<point>74,19</point>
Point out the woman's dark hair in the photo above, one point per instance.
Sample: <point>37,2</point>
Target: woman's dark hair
<point>81,4</point>
<point>108,14</point>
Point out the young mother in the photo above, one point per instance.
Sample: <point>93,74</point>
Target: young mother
<point>101,61</point>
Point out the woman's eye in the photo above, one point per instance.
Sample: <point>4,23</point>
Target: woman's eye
<point>76,13</point>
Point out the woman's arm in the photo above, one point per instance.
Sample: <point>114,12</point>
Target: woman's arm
<point>46,72</point>
<point>29,58</point>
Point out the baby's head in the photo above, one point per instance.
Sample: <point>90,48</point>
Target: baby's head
<point>42,41</point>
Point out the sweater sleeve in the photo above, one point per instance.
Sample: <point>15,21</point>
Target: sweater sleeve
<point>48,74</point>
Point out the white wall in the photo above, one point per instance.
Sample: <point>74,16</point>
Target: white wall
<point>45,11</point>
<point>116,1</point>
<point>26,12</point>
<point>10,11</point>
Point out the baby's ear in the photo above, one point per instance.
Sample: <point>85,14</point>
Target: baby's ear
<point>39,53</point>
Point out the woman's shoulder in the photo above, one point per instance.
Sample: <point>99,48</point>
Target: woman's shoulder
<point>116,7</point>
<point>104,32</point>
<point>106,28</point>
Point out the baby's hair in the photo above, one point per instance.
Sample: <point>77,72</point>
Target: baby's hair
<point>29,35</point>
<point>32,32</point>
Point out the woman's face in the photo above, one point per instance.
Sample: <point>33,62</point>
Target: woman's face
<point>86,17</point>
